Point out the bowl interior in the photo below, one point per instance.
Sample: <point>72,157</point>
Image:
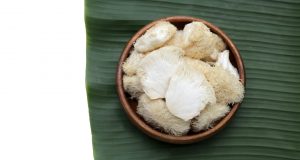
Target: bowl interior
<point>131,104</point>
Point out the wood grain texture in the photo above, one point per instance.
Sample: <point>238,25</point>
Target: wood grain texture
<point>267,124</point>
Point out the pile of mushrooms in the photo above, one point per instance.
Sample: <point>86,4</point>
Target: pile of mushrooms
<point>183,80</point>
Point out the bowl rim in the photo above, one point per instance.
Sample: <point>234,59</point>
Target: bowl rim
<point>147,129</point>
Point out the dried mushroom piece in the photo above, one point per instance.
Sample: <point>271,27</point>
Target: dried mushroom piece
<point>208,116</point>
<point>131,64</point>
<point>212,58</point>
<point>224,62</point>
<point>197,64</point>
<point>155,37</point>
<point>228,88</point>
<point>158,116</point>
<point>188,93</point>
<point>199,42</point>
<point>156,69</point>
<point>219,43</point>
<point>177,40</point>
<point>132,85</point>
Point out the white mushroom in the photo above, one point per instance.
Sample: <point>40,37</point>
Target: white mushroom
<point>177,40</point>
<point>131,64</point>
<point>156,68</point>
<point>155,37</point>
<point>227,87</point>
<point>188,93</point>
<point>224,62</point>
<point>157,115</point>
<point>219,43</point>
<point>198,65</point>
<point>199,42</point>
<point>208,116</point>
<point>132,85</point>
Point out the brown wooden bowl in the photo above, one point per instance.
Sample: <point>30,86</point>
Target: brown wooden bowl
<point>129,105</point>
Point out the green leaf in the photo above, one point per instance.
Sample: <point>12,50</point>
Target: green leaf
<point>267,125</point>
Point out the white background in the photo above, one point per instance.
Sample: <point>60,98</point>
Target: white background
<point>43,104</point>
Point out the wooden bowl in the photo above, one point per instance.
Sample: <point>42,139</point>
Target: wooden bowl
<point>129,105</point>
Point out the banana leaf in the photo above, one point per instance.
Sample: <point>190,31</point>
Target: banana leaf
<point>267,33</point>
